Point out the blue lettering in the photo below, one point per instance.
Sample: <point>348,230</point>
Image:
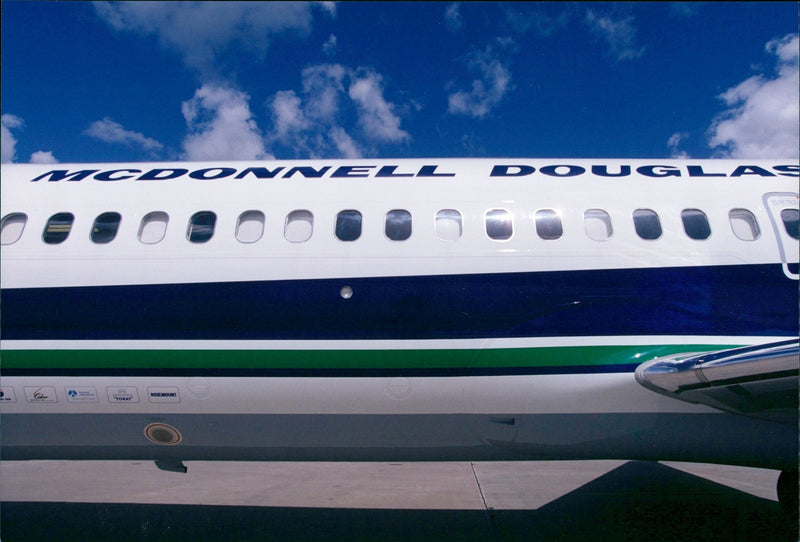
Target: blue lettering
<point>307,172</point>
<point>788,170</point>
<point>107,175</point>
<point>751,170</point>
<point>162,174</point>
<point>571,170</point>
<point>697,171</point>
<point>663,171</point>
<point>430,171</point>
<point>260,172</point>
<point>388,171</point>
<point>205,173</point>
<point>352,171</point>
<point>602,171</point>
<point>507,171</point>
<point>61,174</point>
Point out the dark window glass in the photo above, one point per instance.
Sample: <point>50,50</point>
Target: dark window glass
<point>398,225</point>
<point>201,227</point>
<point>548,224</point>
<point>647,224</point>
<point>499,224</point>
<point>790,219</point>
<point>58,227</point>
<point>105,227</point>
<point>12,228</point>
<point>348,225</point>
<point>695,223</point>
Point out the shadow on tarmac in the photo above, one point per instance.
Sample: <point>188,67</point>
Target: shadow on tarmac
<point>637,501</point>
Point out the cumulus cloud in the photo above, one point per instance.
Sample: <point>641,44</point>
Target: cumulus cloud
<point>43,157</point>
<point>452,17</point>
<point>494,81</point>
<point>329,47</point>
<point>112,132</point>
<point>674,142</point>
<point>375,114</point>
<point>221,126</point>
<point>313,122</point>
<point>8,143</point>
<point>762,119</point>
<point>200,31</point>
<point>618,33</point>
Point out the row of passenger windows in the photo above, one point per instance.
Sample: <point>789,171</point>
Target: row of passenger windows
<point>448,225</point>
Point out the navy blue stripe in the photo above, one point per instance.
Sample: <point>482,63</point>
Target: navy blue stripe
<point>749,300</point>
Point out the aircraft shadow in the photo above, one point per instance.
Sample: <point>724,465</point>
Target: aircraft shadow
<point>637,501</point>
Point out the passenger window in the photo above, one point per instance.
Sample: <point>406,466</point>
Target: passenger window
<point>695,224</point>
<point>105,227</point>
<point>12,227</point>
<point>548,224</point>
<point>448,225</point>
<point>58,227</point>
<point>499,224</point>
<point>348,225</point>
<point>250,226</point>
<point>299,226</point>
<point>647,224</point>
<point>398,225</point>
<point>153,228</point>
<point>597,224</point>
<point>790,219</point>
<point>744,224</point>
<point>201,227</point>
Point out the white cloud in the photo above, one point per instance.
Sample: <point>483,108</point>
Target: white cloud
<point>112,132</point>
<point>313,122</point>
<point>43,157</point>
<point>200,31</point>
<point>487,91</point>
<point>674,142</point>
<point>763,117</point>
<point>619,34</point>
<point>8,143</point>
<point>221,126</point>
<point>329,47</point>
<point>452,17</point>
<point>375,114</point>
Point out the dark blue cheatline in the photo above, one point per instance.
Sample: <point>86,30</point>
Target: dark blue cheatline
<point>749,300</point>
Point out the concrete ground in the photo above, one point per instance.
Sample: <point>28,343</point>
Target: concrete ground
<point>557,500</point>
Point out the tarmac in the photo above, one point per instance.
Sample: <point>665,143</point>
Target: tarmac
<point>525,500</point>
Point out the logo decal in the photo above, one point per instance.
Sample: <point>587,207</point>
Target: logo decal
<point>40,394</point>
<point>163,394</point>
<point>123,394</point>
<point>81,394</point>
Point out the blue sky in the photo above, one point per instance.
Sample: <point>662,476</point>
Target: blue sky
<point>90,82</point>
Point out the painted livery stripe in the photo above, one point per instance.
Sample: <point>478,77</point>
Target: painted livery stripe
<point>428,361</point>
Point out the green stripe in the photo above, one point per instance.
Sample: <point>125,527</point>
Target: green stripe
<point>561,356</point>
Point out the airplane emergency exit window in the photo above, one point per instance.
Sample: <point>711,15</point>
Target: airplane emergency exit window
<point>398,225</point>
<point>597,224</point>
<point>791,221</point>
<point>348,225</point>
<point>153,228</point>
<point>499,224</point>
<point>695,223</point>
<point>744,224</point>
<point>58,227</point>
<point>105,227</point>
<point>647,224</point>
<point>448,225</point>
<point>548,224</point>
<point>250,226</point>
<point>299,226</point>
<point>201,227</point>
<point>12,227</point>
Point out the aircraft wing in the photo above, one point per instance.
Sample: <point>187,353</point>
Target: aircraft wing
<point>758,381</point>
